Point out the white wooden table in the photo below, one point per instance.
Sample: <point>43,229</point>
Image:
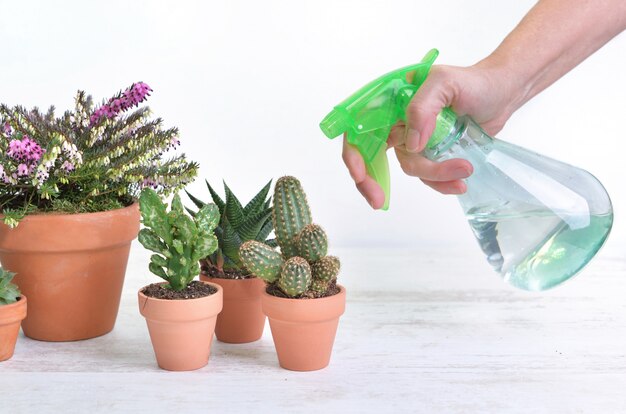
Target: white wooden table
<point>425,330</point>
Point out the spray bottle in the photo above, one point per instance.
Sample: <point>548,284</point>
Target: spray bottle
<point>539,221</point>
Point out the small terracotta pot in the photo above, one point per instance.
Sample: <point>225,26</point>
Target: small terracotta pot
<point>304,329</point>
<point>10,319</point>
<point>181,330</point>
<point>242,319</point>
<point>71,267</point>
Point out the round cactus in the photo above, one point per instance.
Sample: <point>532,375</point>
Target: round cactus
<point>261,260</point>
<point>326,269</point>
<point>312,243</point>
<point>295,276</point>
<point>319,286</point>
<point>291,213</point>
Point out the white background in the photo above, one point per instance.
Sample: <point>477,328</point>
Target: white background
<point>248,82</point>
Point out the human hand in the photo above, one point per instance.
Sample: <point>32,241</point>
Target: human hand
<point>482,91</point>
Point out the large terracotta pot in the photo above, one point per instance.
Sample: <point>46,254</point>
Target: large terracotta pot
<point>10,318</point>
<point>304,329</point>
<point>181,330</point>
<point>71,267</point>
<point>242,319</point>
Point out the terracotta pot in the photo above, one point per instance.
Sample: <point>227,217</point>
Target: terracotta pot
<point>304,329</point>
<point>10,318</point>
<point>242,319</point>
<point>71,267</point>
<point>181,330</point>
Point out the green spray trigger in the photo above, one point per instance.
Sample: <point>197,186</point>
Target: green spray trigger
<point>367,116</point>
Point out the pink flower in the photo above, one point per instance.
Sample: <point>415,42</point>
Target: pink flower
<point>22,170</point>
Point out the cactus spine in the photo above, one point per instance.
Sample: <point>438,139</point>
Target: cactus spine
<point>295,276</point>
<point>290,215</point>
<point>261,260</point>
<point>304,246</point>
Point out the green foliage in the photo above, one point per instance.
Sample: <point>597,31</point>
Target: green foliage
<point>180,241</point>
<point>9,292</point>
<point>291,214</point>
<point>87,163</point>
<point>312,270</point>
<point>237,225</point>
<point>261,260</point>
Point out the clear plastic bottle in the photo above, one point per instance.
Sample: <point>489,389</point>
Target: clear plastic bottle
<point>539,221</point>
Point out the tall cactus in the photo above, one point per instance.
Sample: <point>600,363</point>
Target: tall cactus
<point>304,246</point>
<point>179,240</point>
<point>290,215</point>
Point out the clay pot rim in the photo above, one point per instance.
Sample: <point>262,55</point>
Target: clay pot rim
<point>215,285</point>
<point>342,291</point>
<point>14,312</point>
<point>44,216</point>
<point>19,302</point>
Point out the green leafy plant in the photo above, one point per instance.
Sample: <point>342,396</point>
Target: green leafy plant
<point>178,240</point>
<point>237,225</point>
<point>303,267</point>
<point>93,158</point>
<point>9,292</point>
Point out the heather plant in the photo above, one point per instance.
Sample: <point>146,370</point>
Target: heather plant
<point>237,225</point>
<point>178,240</point>
<point>9,292</point>
<point>92,158</point>
<point>302,268</point>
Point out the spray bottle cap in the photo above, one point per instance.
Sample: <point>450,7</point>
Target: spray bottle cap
<point>367,116</point>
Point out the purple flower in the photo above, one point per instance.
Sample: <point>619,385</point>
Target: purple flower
<point>68,166</point>
<point>131,97</point>
<point>6,128</point>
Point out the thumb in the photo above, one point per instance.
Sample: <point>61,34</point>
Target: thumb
<point>435,94</point>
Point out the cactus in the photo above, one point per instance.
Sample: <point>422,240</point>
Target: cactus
<point>312,243</point>
<point>290,215</point>
<point>303,247</point>
<point>325,269</point>
<point>9,292</point>
<point>295,276</point>
<point>237,225</point>
<point>261,260</point>
<point>179,240</point>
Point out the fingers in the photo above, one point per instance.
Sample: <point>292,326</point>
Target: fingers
<point>366,185</point>
<point>417,165</point>
<point>447,187</point>
<point>436,93</point>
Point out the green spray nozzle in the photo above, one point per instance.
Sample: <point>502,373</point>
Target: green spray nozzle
<point>367,116</point>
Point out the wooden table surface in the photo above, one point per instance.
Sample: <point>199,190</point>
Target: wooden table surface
<point>425,330</point>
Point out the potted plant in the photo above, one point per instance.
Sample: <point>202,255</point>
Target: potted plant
<point>303,301</point>
<point>68,187</point>
<point>12,311</point>
<point>180,313</point>
<point>242,319</point>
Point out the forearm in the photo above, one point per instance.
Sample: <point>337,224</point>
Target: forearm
<point>554,37</point>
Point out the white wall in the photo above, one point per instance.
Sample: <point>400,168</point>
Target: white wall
<point>247,83</point>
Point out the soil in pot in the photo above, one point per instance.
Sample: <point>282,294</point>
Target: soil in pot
<point>242,319</point>
<point>181,327</point>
